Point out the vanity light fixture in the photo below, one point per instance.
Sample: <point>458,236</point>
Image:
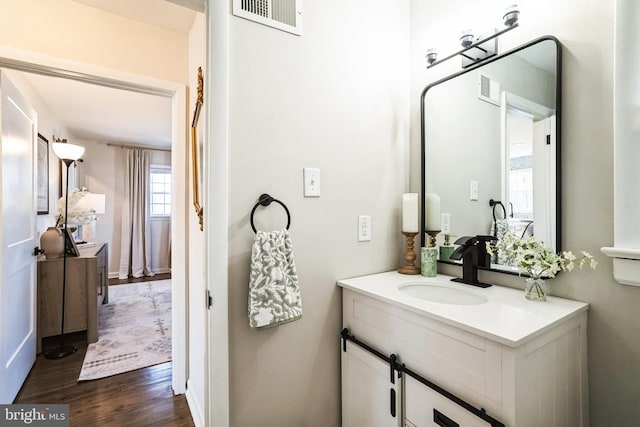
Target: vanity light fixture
<point>477,50</point>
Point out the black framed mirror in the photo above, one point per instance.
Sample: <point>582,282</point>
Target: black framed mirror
<point>496,127</point>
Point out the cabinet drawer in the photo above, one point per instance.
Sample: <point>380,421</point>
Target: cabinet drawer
<point>424,408</point>
<point>466,364</point>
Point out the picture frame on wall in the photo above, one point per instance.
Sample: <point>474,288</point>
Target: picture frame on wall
<point>42,176</point>
<point>196,153</point>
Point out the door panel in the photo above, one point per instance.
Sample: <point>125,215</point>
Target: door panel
<point>17,285</point>
<point>366,391</point>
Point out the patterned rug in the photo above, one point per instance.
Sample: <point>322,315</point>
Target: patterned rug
<point>134,330</point>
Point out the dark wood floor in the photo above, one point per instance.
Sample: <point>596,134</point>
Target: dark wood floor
<point>141,279</point>
<point>137,398</point>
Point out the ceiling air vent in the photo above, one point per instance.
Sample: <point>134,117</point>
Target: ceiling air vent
<point>285,15</point>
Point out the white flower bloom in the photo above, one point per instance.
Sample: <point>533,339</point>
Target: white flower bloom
<point>533,258</point>
<point>76,214</point>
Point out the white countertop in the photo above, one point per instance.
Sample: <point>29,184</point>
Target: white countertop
<point>507,317</point>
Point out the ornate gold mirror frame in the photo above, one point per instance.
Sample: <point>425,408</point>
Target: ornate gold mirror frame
<point>195,150</point>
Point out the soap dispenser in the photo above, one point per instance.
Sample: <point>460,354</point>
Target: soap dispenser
<point>446,248</point>
<point>429,256</point>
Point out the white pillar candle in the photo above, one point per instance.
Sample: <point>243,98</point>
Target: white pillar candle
<point>410,212</point>
<point>432,211</point>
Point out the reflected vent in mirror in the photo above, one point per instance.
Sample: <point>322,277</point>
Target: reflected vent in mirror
<point>488,89</point>
<point>285,15</point>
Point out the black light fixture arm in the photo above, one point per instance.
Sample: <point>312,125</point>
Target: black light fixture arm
<point>475,44</point>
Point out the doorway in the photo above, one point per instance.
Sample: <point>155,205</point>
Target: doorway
<point>177,94</point>
<point>529,187</point>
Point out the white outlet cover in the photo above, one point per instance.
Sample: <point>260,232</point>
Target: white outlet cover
<point>364,228</point>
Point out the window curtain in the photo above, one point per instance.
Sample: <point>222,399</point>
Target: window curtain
<point>135,241</point>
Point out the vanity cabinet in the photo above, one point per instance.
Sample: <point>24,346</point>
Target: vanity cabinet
<point>539,379</point>
<point>87,288</point>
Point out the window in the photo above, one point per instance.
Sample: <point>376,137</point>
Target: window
<point>160,183</point>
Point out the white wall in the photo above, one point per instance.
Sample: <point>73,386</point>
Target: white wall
<point>197,310</point>
<point>336,98</point>
<point>586,30</point>
<point>73,31</point>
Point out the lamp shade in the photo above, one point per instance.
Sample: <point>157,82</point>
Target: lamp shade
<point>66,151</point>
<point>93,201</point>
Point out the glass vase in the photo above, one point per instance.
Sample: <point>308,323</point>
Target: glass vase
<point>536,289</point>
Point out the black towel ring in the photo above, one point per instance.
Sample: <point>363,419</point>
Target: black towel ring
<point>265,200</point>
<point>493,204</point>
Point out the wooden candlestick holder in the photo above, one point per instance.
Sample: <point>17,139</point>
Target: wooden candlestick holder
<point>409,256</point>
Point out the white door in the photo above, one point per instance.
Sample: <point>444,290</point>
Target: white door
<point>18,231</point>
<point>544,180</point>
<point>368,396</point>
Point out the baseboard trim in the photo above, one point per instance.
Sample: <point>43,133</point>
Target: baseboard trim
<point>194,407</point>
<point>116,275</point>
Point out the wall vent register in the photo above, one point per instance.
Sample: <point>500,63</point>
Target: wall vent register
<point>285,15</point>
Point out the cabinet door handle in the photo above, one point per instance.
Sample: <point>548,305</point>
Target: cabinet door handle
<point>37,251</point>
<point>392,400</point>
<point>442,420</point>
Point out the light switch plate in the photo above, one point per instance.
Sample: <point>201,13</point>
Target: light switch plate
<point>311,182</point>
<point>473,190</point>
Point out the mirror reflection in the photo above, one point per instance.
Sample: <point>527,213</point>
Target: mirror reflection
<point>491,146</point>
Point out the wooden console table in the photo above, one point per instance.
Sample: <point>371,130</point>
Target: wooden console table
<point>87,288</point>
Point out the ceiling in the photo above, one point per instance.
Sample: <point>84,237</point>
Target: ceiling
<point>162,13</point>
<point>99,113</point>
<point>104,114</point>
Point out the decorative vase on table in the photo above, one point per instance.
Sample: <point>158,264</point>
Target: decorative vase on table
<point>536,289</point>
<point>52,243</point>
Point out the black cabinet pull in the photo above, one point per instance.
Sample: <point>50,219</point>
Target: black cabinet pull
<point>442,420</point>
<point>392,399</point>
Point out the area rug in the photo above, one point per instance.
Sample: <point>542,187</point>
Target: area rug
<point>134,330</point>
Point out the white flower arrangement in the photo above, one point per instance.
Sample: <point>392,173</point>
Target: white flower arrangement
<point>535,259</point>
<point>78,214</point>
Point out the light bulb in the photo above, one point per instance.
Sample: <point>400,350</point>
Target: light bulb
<point>466,38</point>
<point>510,16</point>
<point>432,55</point>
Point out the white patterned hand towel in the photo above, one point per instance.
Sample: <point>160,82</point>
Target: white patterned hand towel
<point>499,228</point>
<point>274,292</point>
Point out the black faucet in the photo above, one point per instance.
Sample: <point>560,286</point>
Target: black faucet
<point>473,252</point>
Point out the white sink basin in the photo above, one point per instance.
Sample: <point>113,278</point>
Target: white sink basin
<point>441,293</point>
